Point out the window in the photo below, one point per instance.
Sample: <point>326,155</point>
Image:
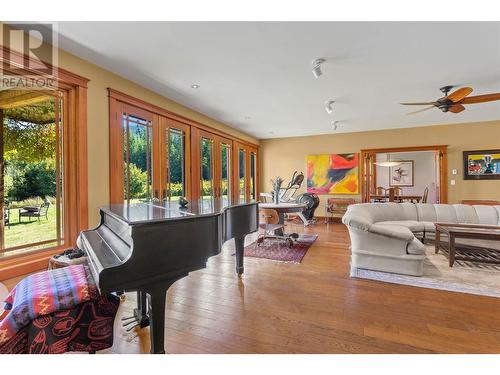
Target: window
<point>137,156</point>
<point>32,157</point>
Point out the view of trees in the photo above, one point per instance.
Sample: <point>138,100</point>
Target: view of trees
<point>29,151</point>
<point>138,151</point>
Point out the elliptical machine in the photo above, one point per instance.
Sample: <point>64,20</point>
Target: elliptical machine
<point>287,195</point>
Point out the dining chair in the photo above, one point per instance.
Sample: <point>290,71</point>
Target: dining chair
<point>425,195</point>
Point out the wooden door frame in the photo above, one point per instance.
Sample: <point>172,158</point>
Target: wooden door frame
<point>75,198</point>
<point>116,141</point>
<point>443,168</point>
<point>196,135</point>
<point>164,124</point>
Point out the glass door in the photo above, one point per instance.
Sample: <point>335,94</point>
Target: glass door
<point>174,149</point>
<point>246,172</point>
<point>225,171</point>
<point>138,167</point>
<point>213,167</point>
<point>206,170</point>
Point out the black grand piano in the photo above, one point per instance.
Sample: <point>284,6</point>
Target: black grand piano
<point>146,247</point>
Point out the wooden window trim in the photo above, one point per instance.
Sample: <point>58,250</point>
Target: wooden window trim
<point>75,87</point>
<point>127,99</point>
<point>119,100</point>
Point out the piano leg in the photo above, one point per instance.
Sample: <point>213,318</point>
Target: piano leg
<point>157,319</point>
<point>240,252</point>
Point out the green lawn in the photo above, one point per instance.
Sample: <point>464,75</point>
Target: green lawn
<point>25,232</point>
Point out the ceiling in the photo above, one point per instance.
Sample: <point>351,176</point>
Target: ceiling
<point>256,76</point>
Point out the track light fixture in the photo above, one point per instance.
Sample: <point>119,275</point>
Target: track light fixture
<point>329,106</point>
<point>316,67</point>
<point>335,125</point>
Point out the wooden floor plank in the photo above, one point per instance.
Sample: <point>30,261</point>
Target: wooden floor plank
<point>312,307</point>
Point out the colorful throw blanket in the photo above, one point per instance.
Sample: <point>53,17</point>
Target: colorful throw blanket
<point>41,294</point>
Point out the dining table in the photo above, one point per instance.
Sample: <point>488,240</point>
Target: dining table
<point>397,198</point>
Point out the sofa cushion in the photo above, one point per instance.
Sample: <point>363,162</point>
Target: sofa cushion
<point>412,225</point>
<point>426,212</point>
<point>486,214</point>
<point>466,214</point>
<point>429,226</point>
<point>445,213</point>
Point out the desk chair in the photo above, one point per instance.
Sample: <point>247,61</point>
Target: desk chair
<point>269,222</point>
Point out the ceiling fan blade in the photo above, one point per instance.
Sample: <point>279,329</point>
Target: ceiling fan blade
<point>481,98</point>
<point>420,110</point>
<point>459,94</point>
<point>456,108</point>
<point>420,103</point>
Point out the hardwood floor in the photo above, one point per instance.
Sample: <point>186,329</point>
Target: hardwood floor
<point>313,307</point>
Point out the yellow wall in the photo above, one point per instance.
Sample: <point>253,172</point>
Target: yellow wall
<point>98,114</point>
<point>283,156</point>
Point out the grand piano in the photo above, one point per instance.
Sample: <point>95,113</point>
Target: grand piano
<point>146,247</point>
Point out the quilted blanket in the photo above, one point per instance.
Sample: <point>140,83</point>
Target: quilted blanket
<point>41,294</point>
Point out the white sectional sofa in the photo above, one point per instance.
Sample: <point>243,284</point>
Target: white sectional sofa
<point>385,236</point>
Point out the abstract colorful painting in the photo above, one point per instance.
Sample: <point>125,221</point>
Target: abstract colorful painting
<point>482,165</point>
<point>333,174</point>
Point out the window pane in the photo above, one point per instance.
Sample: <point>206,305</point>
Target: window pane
<point>225,173</point>
<point>252,175</point>
<point>138,169</point>
<point>177,164</point>
<point>32,180</point>
<point>241,173</point>
<point>206,158</point>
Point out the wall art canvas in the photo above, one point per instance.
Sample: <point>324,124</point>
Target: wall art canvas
<point>482,165</point>
<point>401,174</point>
<point>333,174</point>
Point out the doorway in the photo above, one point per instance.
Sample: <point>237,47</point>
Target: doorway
<point>418,173</point>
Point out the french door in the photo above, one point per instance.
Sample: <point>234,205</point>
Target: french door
<point>174,160</point>
<point>245,173</point>
<point>212,166</point>
<point>149,155</point>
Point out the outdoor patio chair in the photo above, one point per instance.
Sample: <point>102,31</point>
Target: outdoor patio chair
<point>35,211</point>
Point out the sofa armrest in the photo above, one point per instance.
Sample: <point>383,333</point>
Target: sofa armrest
<point>356,222</point>
<point>393,231</point>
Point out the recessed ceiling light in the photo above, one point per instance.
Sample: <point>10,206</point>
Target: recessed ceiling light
<point>195,86</point>
<point>247,117</point>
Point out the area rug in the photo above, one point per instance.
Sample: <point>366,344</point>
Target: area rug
<point>270,249</point>
<point>465,277</point>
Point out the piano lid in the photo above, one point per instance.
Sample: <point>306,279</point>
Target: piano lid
<point>138,213</point>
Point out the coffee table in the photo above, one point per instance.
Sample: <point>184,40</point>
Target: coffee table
<point>468,252</point>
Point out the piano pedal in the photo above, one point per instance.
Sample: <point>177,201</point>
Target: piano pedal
<point>130,322</point>
<point>129,317</point>
<point>132,327</point>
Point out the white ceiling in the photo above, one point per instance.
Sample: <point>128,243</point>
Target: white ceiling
<point>257,76</point>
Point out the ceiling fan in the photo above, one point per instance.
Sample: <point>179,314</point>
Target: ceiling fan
<point>454,102</point>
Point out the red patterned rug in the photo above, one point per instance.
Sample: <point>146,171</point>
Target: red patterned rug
<point>270,249</point>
